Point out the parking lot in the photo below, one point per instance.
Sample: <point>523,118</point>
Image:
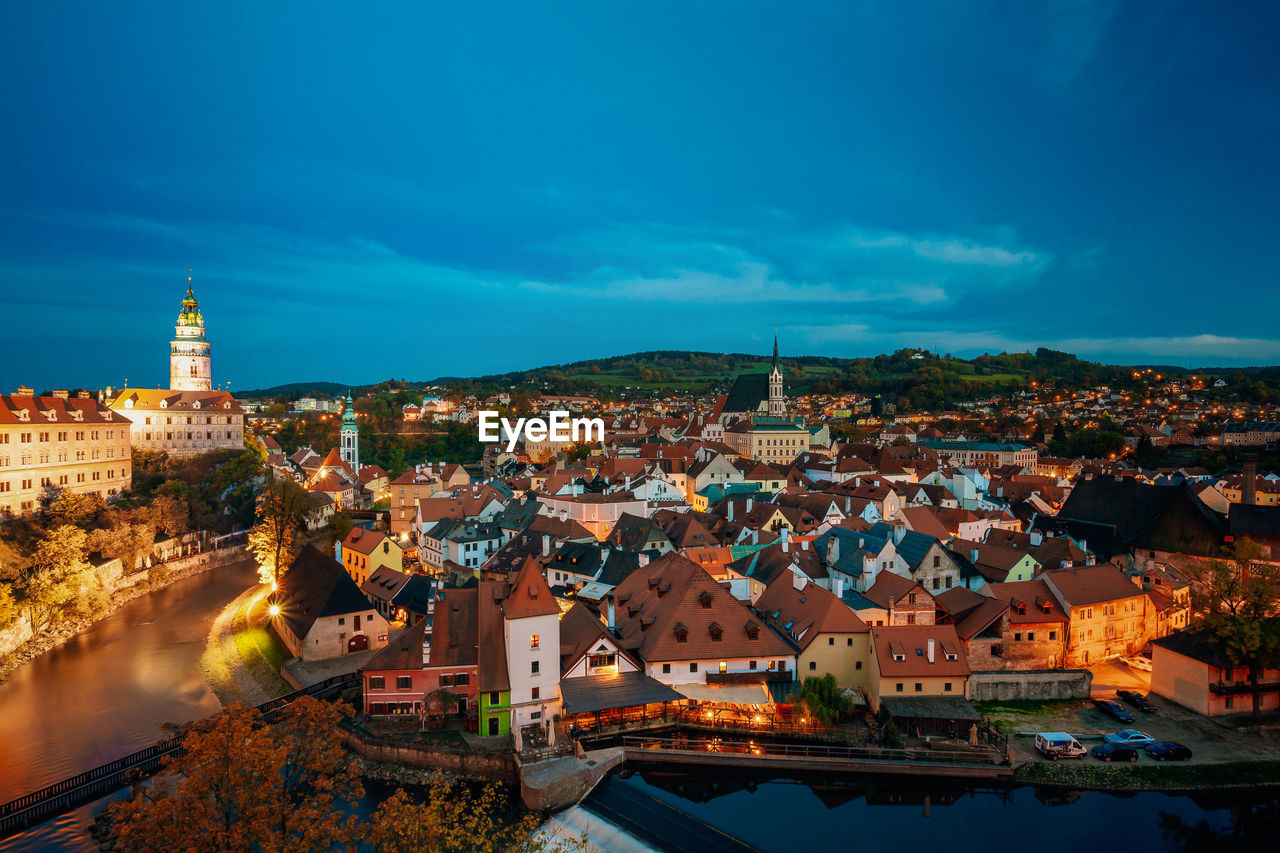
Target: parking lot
<point>1210,741</point>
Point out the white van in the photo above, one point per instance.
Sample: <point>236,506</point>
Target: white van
<point>1055,745</point>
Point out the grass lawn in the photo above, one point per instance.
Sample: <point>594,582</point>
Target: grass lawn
<point>1011,715</point>
<point>1151,776</point>
<point>260,649</point>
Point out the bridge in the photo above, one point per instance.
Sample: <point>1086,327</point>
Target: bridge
<point>38,806</point>
<point>750,753</point>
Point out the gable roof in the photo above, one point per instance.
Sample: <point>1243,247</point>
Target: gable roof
<point>455,629</point>
<point>803,610</point>
<point>1084,585</point>
<point>405,652</point>
<point>911,643</point>
<point>674,597</point>
<point>491,654</point>
<point>529,595</point>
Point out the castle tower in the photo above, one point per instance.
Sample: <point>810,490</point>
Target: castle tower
<point>349,448</point>
<point>777,403</point>
<point>189,366</point>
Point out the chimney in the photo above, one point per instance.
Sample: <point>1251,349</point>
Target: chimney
<point>62,393</point>
<point>973,555</point>
<point>546,544</point>
<point>610,600</point>
<point>899,531</point>
<point>748,504</point>
<point>730,509</point>
<point>804,544</point>
<point>23,391</point>
<point>799,581</point>
<point>1036,538</point>
<point>642,559</point>
<point>1249,492</point>
<point>785,545</point>
<point>930,650</point>
<point>82,394</point>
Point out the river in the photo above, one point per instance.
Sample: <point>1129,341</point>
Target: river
<point>109,691</point>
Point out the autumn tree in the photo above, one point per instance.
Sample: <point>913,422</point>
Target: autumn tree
<point>170,514</point>
<point>1237,603</point>
<point>243,784</point>
<point>273,539</point>
<point>58,574</point>
<point>78,509</point>
<point>125,539</point>
<point>458,817</point>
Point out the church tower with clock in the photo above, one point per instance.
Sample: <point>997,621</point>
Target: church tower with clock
<point>189,367</point>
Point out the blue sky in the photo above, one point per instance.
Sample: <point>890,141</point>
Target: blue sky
<point>414,191</point>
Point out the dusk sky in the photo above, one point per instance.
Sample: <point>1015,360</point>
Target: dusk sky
<point>415,191</point>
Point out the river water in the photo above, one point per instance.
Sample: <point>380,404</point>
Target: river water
<point>109,691</point>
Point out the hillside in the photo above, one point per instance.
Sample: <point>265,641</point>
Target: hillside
<point>293,390</point>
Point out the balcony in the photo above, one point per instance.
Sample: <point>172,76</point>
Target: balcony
<point>1235,688</point>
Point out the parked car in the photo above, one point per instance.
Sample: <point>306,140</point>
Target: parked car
<point>1114,752</point>
<point>1137,700</point>
<point>1138,662</point>
<point>1114,710</point>
<point>1129,737</point>
<point>1167,750</point>
<point>1055,745</point>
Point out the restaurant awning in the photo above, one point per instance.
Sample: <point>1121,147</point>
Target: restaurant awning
<point>603,692</point>
<point>728,694</point>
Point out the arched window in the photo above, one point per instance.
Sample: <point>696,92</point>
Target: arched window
<point>193,370</point>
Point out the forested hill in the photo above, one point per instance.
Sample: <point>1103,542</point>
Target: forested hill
<point>920,378</point>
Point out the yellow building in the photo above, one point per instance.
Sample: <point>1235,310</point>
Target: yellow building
<point>76,444</point>
<point>831,637</point>
<point>363,552</point>
<point>767,439</point>
<point>916,661</point>
<point>1109,615</point>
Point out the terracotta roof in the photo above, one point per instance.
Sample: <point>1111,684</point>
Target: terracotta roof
<point>804,612</point>
<point>1084,585</point>
<point>455,629</point>
<point>404,652</point>
<point>41,411</point>
<point>902,651</point>
<point>580,632</point>
<point>216,402</point>
<point>675,592</point>
<point>529,595</point>
<point>889,588</point>
<point>492,652</point>
<point>362,540</point>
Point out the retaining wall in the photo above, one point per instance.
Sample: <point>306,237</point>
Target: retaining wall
<point>499,767</point>
<point>1005,685</point>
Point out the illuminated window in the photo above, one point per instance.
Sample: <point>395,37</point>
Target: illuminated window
<point>534,641</point>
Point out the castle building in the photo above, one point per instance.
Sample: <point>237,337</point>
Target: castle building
<point>71,443</point>
<point>189,363</point>
<point>188,418</point>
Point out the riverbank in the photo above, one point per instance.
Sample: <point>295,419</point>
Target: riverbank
<point>143,583</point>
<point>242,656</point>
<point>1088,774</point>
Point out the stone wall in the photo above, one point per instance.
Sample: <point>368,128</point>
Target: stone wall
<point>1030,684</point>
<point>499,767</point>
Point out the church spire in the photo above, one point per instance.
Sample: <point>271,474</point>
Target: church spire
<point>775,346</point>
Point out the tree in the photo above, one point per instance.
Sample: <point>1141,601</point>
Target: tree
<point>9,607</point>
<point>170,514</point>
<point>272,539</point>
<point>78,509</point>
<point>125,540</point>
<point>458,817</point>
<point>1237,602</point>
<point>58,574</point>
<point>245,785</point>
<point>338,527</point>
<point>822,699</point>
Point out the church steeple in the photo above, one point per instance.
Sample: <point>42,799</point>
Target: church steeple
<point>777,403</point>
<point>349,436</point>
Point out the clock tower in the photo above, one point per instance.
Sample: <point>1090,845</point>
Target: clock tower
<point>189,368</point>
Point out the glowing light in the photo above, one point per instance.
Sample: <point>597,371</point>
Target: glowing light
<point>274,610</point>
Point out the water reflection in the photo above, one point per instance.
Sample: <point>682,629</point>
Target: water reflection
<point>107,693</point>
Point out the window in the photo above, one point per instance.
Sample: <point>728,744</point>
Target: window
<point>898,687</point>
<point>534,667</point>
<point>342,620</point>
<point>493,698</point>
<point>1018,636</point>
<point>693,667</point>
<point>535,641</point>
<point>1031,635</point>
<point>857,665</point>
<point>535,694</point>
<point>937,561</point>
<point>446,680</point>
<point>461,679</point>
<point>1053,635</point>
<point>666,668</point>
<point>946,687</point>
<point>751,665</point>
<point>919,687</point>
<point>404,682</point>
<point>849,642</point>
<point>831,641</point>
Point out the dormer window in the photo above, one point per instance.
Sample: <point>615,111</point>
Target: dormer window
<point>899,657</point>
<point>196,404</point>
<point>753,631</point>
<point>682,633</point>
<point>717,633</point>
<point>704,599</point>
<point>164,404</point>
